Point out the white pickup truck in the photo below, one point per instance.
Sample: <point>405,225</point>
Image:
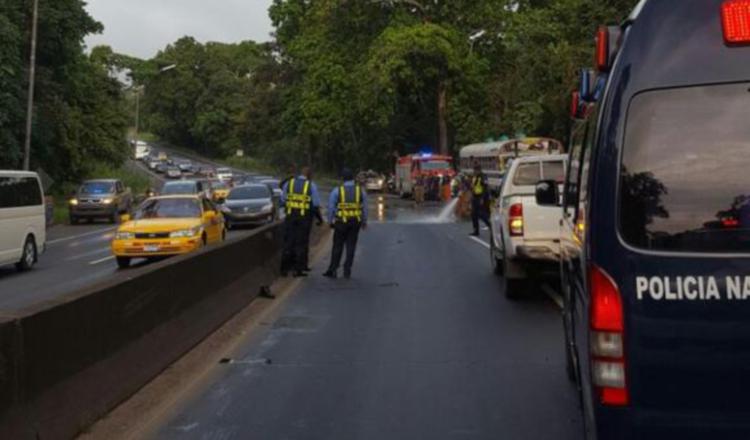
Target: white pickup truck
<point>525,236</point>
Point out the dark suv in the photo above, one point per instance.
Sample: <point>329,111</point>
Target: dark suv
<point>655,238</point>
<point>104,198</point>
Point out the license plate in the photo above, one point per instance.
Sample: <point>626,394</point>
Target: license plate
<point>151,248</point>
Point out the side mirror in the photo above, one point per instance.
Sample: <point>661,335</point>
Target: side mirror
<point>547,193</point>
<point>125,218</point>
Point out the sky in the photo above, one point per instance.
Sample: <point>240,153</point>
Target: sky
<point>142,27</point>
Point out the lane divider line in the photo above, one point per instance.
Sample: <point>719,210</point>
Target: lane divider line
<point>480,241</point>
<point>554,296</point>
<point>103,260</point>
<point>75,237</point>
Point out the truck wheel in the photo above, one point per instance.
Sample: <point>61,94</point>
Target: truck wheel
<point>123,262</point>
<point>28,257</point>
<point>115,218</point>
<point>73,219</point>
<point>497,263</point>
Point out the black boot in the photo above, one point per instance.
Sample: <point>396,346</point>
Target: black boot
<point>347,274</point>
<point>330,274</point>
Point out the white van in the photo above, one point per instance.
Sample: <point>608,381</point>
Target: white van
<point>22,219</point>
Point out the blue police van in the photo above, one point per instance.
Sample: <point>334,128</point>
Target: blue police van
<point>655,240</point>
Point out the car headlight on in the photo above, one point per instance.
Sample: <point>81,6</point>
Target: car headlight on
<point>120,235</point>
<point>73,202</point>
<point>107,201</point>
<point>185,233</point>
<point>267,208</point>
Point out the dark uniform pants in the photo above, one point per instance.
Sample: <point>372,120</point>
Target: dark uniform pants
<point>344,235</point>
<point>296,242</point>
<point>479,211</point>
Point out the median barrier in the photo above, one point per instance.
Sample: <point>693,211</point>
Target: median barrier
<point>66,363</point>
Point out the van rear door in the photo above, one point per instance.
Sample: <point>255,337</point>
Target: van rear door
<point>684,223</point>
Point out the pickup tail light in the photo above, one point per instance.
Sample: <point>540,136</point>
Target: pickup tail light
<point>515,220</point>
<point>607,339</point>
<point>735,19</point>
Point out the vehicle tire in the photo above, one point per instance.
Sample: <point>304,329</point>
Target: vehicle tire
<point>123,262</point>
<point>73,219</point>
<point>223,235</point>
<point>497,263</point>
<point>29,256</point>
<point>228,225</point>
<point>114,218</point>
<point>204,241</point>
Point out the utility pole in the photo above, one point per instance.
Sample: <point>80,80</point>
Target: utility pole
<point>137,112</point>
<point>32,75</point>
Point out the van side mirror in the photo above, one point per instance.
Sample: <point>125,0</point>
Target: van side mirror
<point>547,193</point>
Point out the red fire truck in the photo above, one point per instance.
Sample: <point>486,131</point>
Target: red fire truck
<point>410,168</point>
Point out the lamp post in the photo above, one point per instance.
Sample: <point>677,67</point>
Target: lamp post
<point>138,90</point>
<point>32,75</point>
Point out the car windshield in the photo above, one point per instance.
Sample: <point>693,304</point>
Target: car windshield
<point>249,192</point>
<point>527,174</point>
<point>436,165</point>
<point>685,186</point>
<point>219,185</point>
<point>97,188</point>
<point>179,188</point>
<point>169,208</point>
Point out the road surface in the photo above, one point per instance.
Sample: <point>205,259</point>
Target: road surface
<point>420,344</point>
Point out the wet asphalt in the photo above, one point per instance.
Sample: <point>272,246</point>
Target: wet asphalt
<point>420,344</point>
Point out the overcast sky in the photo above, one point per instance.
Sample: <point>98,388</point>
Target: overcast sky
<point>142,27</point>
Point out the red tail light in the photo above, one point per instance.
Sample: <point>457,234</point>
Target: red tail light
<point>575,103</point>
<point>735,17</point>
<point>602,49</point>
<point>607,339</point>
<point>515,220</point>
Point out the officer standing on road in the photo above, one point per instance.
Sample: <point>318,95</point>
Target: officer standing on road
<point>347,214</point>
<point>301,201</point>
<point>480,199</point>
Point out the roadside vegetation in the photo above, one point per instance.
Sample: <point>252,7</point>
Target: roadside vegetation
<point>343,82</point>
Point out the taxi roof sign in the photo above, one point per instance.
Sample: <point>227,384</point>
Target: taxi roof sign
<point>735,17</point>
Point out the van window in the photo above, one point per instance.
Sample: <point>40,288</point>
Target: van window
<point>18,192</point>
<point>553,171</point>
<point>527,174</point>
<point>685,179</point>
<point>570,199</point>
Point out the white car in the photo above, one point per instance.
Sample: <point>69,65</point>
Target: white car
<point>224,174</point>
<point>22,219</point>
<point>525,236</point>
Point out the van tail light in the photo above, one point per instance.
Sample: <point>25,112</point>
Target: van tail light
<point>607,339</point>
<point>515,220</point>
<point>607,46</point>
<point>735,18</point>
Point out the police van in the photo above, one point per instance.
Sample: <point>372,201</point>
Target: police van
<point>655,239</point>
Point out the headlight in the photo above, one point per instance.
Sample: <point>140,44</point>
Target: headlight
<point>185,233</point>
<point>380,182</point>
<point>74,202</point>
<point>267,208</point>
<point>107,201</point>
<point>124,236</point>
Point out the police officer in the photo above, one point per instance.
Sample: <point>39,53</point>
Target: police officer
<point>480,199</point>
<point>347,214</point>
<point>301,201</point>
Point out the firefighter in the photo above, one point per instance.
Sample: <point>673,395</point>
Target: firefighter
<point>480,199</point>
<point>347,215</point>
<point>301,201</point>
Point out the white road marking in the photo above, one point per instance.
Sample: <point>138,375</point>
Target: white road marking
<point>480,241</point>
<point>554,296</point>
<point>75,237</point>
<point>103,260</point>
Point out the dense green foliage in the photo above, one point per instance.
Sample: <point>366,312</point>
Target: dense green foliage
<point>357,81</point>
<point>79,115</point>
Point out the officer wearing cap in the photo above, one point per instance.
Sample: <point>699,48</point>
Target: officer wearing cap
<point>301,201</point>
<point>347,214</point>
<point>480,200</point>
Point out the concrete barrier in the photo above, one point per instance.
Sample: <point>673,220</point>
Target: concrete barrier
<point>65,364</point>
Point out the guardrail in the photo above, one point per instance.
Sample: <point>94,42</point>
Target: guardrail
<point>65,364</point>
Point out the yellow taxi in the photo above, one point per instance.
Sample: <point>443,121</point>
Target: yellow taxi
<point>168,225</point>
<point>219,190</point>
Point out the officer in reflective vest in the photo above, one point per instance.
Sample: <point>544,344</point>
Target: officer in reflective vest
<point>301,202</point>
<point>347,214</point>
<point>480,199</point>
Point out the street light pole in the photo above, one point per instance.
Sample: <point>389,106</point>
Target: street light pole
<point>32,75</point>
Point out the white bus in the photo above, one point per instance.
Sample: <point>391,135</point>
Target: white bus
<point>496,157</point>
<point>22,219</point>
<point>142,150</point>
